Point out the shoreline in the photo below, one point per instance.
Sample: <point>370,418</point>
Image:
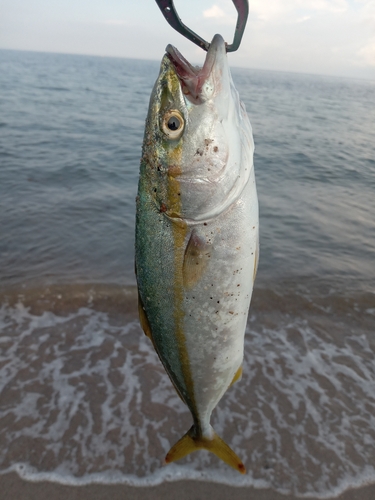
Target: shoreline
<point>13,487</point>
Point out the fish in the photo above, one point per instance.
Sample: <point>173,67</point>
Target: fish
<point>197,236</point>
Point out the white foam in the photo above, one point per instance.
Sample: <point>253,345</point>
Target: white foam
<point>91,399</point>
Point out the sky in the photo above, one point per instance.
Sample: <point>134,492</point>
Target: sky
<point>328,37</point>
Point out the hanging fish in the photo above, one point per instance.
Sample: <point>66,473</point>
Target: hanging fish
<point>197,236</point>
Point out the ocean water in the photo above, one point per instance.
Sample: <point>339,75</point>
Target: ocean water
<point>83,397</point>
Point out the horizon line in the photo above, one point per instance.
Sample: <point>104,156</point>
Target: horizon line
<point>361,78</point>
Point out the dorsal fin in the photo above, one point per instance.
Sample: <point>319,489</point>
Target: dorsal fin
<point>143,319</point>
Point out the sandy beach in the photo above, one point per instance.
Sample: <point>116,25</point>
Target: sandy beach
<point>14,488</point>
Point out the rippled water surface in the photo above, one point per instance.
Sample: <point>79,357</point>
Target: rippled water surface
<point>83,396</point>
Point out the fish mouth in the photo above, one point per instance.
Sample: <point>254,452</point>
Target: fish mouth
<point>199,84</point>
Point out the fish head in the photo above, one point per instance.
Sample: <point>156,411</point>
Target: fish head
<point>198,136</point>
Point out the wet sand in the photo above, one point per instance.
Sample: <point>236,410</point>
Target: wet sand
<point>14,488</point>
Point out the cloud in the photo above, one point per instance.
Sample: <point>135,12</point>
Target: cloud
<point>116,22</point>
<point>303,19</point>
<point>367,53</point>
<point>277,10</point>
<point>214,12</point>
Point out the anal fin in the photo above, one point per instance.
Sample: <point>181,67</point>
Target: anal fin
<point>237,376</point>
<point>256,261</point>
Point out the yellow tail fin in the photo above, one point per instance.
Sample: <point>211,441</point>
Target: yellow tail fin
<point>191,442</point>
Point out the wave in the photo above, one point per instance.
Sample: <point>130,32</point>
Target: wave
<point>85,399</point>
<point>56,89</point>
<point>297,296</point>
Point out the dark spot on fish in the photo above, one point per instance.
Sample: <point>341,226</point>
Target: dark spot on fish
<point>231,312</point>
<point>205,223</point>
<point>238,284</point>
<point>155,190</point>
<point>163,208</point>
<point>199,152</point>
<point>216,149</point>
<point>218,301</point>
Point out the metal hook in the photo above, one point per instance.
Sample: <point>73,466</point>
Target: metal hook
<point>169,12</point>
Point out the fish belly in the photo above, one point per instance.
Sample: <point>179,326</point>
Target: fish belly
<point>216,308</point>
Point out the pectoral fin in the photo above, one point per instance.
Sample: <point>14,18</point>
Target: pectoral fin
<point>197,255</point>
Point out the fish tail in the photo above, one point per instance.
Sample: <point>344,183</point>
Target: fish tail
<point>192,441</point>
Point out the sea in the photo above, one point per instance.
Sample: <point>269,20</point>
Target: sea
<point>83,397</point>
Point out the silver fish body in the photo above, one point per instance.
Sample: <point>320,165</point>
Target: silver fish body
<point>197,236</point>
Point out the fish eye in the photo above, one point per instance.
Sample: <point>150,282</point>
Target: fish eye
<point>173,124</point>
